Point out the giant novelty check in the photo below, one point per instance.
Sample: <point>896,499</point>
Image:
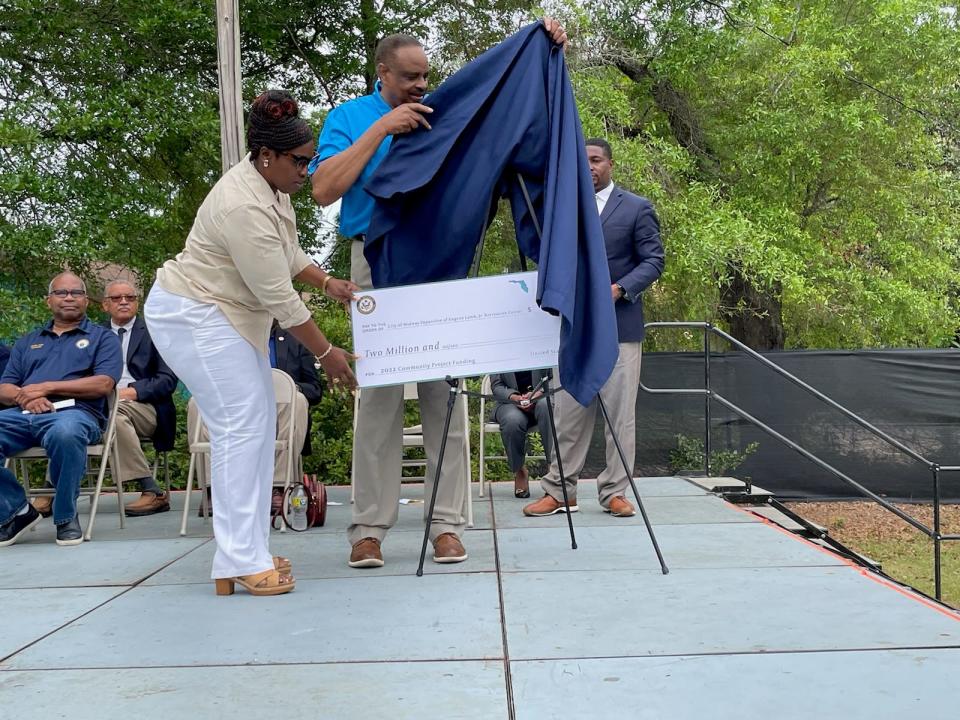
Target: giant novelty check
<point>459,328</point>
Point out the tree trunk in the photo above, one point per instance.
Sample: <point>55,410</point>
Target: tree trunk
<point>369,27</point>
<point>754,314</point>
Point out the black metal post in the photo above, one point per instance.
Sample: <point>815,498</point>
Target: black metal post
<point>548,375</point>
<point>451,399</point>
<point>936,531</point>
<point>629,471</point>
<point>706,399</point>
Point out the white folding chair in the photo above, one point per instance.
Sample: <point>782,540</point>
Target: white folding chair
<point>105,450</point>
<point>284,390</point>
<point>489,426</point>
<point>413,437</point>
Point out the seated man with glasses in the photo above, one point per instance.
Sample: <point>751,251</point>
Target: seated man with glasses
<point>59,377</point>
<point>146,407</point>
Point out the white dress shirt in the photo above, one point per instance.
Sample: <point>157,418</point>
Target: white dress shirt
<point>603,196</point>
<point>126,379</point>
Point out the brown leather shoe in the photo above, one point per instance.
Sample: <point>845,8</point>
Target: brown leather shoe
<point>547,505</point>
<point>147,504</point>
<point>447,548</point>
<point>620,507</point>
<point>366,553</point>
<point>43,505</point>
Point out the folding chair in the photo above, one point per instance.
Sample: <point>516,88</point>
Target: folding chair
<point>489,426</point>
<point>284,390</point>
<point>105,450</point>
<point>413,437</point>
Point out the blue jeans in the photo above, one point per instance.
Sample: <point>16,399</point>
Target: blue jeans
<point>64,435</point>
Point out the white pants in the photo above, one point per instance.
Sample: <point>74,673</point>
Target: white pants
<point>232,385</point>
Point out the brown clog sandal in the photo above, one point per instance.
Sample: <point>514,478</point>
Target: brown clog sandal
<point>282,565</point>
<point>268,582</point>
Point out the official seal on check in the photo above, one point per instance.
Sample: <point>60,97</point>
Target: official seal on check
<point>366,305</point>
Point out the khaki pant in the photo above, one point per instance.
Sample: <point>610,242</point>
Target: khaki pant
<point>575,429</point>
<point>135,421</point>
<point>284,417</point>
<point>378,450</point>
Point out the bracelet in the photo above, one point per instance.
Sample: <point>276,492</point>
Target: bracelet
<point>327,279</point>
<point>325,352</point>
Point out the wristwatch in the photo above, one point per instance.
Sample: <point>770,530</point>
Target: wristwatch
<point>623,293</point>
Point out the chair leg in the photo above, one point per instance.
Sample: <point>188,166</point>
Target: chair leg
<point>189,490</point>
<point>96,497</point>
<point>483,446</point>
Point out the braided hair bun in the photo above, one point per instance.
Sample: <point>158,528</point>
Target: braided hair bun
<point>275,123</point>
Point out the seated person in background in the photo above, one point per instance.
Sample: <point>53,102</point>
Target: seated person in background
<point>69,358</point>
<point>146,407</point>
<point>518,411</point>
<point>289,355</point>
<point>4,357</point>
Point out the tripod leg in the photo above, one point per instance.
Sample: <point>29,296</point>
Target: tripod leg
<point>556,449</point>
<point>451,398</point>
<point>629,471</point>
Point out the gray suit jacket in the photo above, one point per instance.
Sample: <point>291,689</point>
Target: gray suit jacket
<point>503,385</point>
<point>631,232</point>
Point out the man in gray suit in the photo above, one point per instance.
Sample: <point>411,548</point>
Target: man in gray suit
<point>631,232</point>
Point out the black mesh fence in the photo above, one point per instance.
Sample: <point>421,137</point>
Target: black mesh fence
<point>912,395</point>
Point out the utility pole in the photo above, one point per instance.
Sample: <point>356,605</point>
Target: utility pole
<point>229,79</point>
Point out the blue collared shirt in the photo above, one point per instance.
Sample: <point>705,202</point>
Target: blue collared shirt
<point>85,351</point>
<point>342,128</point>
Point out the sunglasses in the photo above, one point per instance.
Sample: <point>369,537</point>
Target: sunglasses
<point>120,298</point>
<point>71,293</point>
<point>301,161</point>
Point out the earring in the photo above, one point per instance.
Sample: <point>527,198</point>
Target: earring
<point>266,163</point>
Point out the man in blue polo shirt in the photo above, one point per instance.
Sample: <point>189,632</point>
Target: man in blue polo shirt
<point>355,139</point>
<point>69,358</point>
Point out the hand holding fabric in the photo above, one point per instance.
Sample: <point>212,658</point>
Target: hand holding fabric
<point>405,118</point>
<point>555,31</point>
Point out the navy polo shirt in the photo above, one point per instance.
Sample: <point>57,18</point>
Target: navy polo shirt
<point>85,351</point>
<point>342,128</point>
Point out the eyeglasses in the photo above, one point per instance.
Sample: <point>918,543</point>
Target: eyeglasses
<point>301,161</point>
<point>71,293</point>
<point>120,298</point>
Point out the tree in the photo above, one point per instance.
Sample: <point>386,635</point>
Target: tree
<point>800,156</point>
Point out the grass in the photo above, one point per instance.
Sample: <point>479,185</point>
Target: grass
<point>904,553</point>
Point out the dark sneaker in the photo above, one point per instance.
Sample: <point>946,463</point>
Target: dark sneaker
<point>366,553</point>
<point>70,533</point>
<point>12,531</point>
<point>148,503</point>
<point>548,505</point>
<point>447,548</point>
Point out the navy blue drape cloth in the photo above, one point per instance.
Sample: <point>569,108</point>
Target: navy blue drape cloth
<point>511,111</point>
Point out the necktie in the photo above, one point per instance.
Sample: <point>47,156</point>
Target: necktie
<point>120,333</point>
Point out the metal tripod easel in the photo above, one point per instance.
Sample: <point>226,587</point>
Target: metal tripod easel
<point>548,394</point>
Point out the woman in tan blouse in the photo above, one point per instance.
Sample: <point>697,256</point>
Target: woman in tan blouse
<point>209,314</point>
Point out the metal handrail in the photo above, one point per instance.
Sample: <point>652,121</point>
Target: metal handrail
<point>710,394</point>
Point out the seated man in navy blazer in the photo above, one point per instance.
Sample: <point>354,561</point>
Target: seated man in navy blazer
<point>146,407</point>
<point>631,232</point>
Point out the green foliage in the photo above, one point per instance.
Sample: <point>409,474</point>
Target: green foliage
<point>813,145</point>
<point>689,455</point>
